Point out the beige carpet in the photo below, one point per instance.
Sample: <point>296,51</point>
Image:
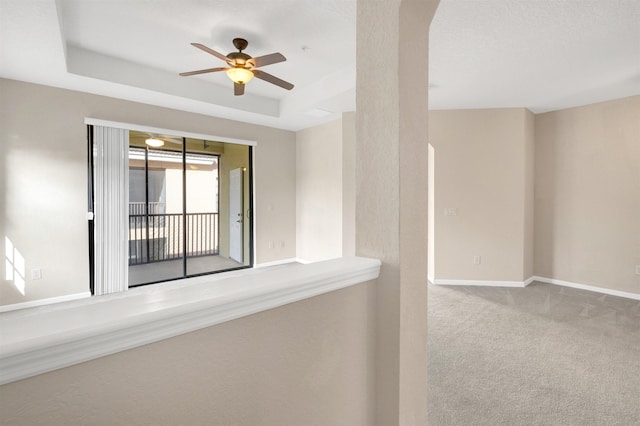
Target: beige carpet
<point>542,355</point>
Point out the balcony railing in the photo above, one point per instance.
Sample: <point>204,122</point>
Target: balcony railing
<point>137,208</point>
<point>160,237</point>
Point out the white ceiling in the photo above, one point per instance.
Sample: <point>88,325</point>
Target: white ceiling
<point>539,54</point>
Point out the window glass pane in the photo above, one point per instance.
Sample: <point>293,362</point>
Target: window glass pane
<point>217,241</point>
<point>155,210</point>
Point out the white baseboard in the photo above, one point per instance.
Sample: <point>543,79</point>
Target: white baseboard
<point>520,284</point>
<point>587,287</point>
<point>42,302</point>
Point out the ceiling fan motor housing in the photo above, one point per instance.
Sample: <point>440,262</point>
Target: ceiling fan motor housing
<point>238,59</point>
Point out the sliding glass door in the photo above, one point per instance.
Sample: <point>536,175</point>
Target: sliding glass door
<point>179,207</point>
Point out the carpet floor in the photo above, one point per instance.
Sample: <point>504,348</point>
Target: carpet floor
<point>540,355</point>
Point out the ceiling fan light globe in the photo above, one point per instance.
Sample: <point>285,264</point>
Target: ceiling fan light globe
<point>240,75</point>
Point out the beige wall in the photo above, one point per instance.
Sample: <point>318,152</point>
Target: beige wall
<point>581,225</point>
<point>483,169</point>
<point>319,192</point>
<point>294,365</point>
<point>431,190</point>
<point>529,193</point>
<point>43,164</point>
<point>326,190</point>
<point>391,189</point>
<point>587,212</point>
<point>349,184</point>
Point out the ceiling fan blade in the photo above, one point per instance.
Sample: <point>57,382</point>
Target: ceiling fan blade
<point>272,79</point>
<point>210,51</point>
<point>273,58</point>
<point>172,139</point>
<point>184,74</point>
<point>238,89</point>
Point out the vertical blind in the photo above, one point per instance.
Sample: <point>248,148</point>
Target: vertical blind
<point>111,197</point>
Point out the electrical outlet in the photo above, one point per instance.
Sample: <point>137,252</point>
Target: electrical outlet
<point>477,260</point>
<point>451,211</point>
<point>637,269</point>
<point>270,244</point>
<point>36,274</point>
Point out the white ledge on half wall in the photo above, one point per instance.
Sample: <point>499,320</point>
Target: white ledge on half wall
<point>42,339</point>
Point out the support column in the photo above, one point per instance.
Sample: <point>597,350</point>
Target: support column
<point>391,188</point>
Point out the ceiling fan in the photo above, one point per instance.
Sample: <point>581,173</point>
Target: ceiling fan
<point>241,67</point>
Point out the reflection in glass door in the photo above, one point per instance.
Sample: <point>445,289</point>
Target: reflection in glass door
<point>236,215</point>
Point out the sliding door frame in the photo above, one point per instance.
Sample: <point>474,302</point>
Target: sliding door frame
<point>90,210</point>
<point>91,122</point>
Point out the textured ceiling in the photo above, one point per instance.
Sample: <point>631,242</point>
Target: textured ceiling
<point>539,54</point>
